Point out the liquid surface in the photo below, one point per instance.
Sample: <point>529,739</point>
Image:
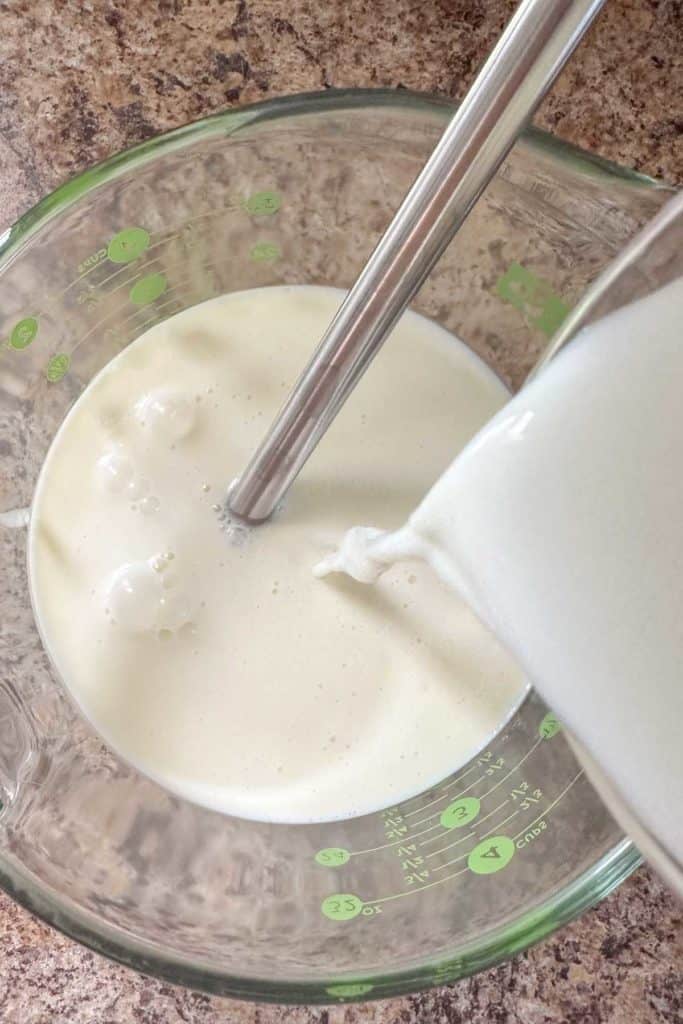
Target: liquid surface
<point>561,525</point>
<point>213,660</point>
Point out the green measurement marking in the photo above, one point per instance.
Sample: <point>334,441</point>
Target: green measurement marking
<point>57,367</point>
<point>533,297</point>
<point>444,973</point>
<point>147,289</point>
<point>441,796</point>
<point>332,856</point>
<point>264,252</point>
<point>408,838</point>
<point>148,263</point>
<point>436,814</point>
<point>121,322</point>
<point>23,332</point>
<point>420,888</point>
<point>512,771</point>
<point>491,855</point>
<point>437,853</point>
<point>488,857</point>
<point>170,268</point>
<point>549,727</point>
<point>550,806</point>
<point>460,812</point>
<point>128,245</point>
<point>341,906</point>
<point>263,204</point>
<point>440,835</point>
<point>350,990</point>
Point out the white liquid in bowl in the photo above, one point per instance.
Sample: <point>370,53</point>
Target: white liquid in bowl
<point>224,669</point>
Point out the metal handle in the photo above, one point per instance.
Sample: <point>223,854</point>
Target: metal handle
<point>535,45</point>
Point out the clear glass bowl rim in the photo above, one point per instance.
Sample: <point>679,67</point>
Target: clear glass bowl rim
<point>589,888</point>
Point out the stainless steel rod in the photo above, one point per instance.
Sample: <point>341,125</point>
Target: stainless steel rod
<point>526,60</point>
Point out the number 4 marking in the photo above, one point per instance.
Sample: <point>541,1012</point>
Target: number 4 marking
<point>491,855</point>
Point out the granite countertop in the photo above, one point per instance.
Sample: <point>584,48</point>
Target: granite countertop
<point>81,79</point>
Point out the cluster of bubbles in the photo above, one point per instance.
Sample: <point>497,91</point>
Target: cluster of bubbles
<point>147,596</point>
<point>167,414</point>
<point>168,417</point>
<point>236,530</point>
<point>116,473</point>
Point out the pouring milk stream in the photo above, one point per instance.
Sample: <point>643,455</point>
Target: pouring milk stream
<point>560,524</point>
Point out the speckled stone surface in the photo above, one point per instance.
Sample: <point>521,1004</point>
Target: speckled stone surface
<point>81,79</point>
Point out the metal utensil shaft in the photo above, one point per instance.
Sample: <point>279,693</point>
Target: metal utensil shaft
<point>535,45</point>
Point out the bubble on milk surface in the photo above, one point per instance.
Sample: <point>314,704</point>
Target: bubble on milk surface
<point>133,596</point>
<point>149,505</point>
<point>115,471</point>
<point>140,597</point>
<point>168,414</point>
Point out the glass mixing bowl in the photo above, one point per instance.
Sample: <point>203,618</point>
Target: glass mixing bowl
<point>514,843</point>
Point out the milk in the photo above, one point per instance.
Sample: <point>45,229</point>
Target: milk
<point>561,525</point>
<point>209,657</point>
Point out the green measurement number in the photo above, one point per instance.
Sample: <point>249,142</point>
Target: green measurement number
<point>128,245</point>
<point>549,726</point>
<point>342,906</point>
<point>262,204</point>
<point>57,367</point>
<point>461,812</point>
<point>533,297</point>
<point>491,855</point>
<point>264,252</point>
<point>24,332</point>
<point>332,857</point>
<point>147,289</point>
